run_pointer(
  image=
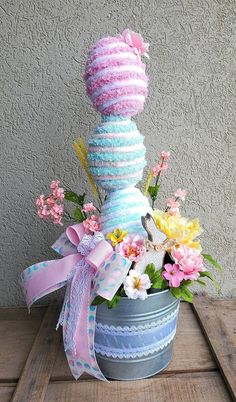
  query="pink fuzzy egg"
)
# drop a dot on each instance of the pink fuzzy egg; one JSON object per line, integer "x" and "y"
{"x": 115, "y": 77}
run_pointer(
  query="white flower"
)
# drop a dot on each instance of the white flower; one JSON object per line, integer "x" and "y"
{"x": 136, "y": 285}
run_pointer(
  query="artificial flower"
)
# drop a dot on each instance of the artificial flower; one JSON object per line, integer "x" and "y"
{"x": 173, "y": 206}
{"x": 181, "y": 194}
{"x": 136, "y": 285}
{"x": 54, "y": 184}
{"x": 189, "y": 260}
{"x": 92, "y": 225}
{"x": 43, "y": 212}
{"x": 132, "y": 247}
{"x": 158, "y": 168}
{"x": 181, "y": 229}
{"x": 136, "y": 41}
{"x": 52, "y": 206}
{"x": 173, "y": 275}
{"x": 165, "y": 155}
{"x": 117, "y": 236}
{"x": 40, "y": 202}
{"x": 89, "y": 207}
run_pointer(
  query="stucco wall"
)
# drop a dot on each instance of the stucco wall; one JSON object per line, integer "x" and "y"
{"x": 190, "y": 111}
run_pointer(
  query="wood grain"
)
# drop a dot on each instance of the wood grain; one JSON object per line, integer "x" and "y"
{"x": 196, "y": 387}
{"x": 35, "y": 376}
{"x": 18, "y": 330}
{"x": 219, "y": 336}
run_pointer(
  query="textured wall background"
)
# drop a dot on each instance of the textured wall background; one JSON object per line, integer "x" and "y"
{"x": 190, "y": 111}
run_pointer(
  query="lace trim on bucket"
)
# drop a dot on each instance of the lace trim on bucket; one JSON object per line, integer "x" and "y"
{"x": 110, "y": 329}
{"x": 132, "y": 354}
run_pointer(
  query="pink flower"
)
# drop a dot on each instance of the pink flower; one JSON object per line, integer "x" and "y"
{"x": 132, "y": 247}
{"x": 58, "y": 193}
{"x": 57, "y": 210}
{"x": 165, "y": 155}
{"x": 181, "y": 194}
{"x": 160, "y": 167}
{"x": 136, "y": 41}
{"x": 50, "y": 200}
{"x": 40, "y": 202}
{"x": 89, "y": 207}
{"x": 58, "y": 220}
{"x": 189, "y": 260}
{"x": 173, "y": 206}
{"x": 43, "y": 212}
{"x": 92, "y": 224}
{"x": 54, "y": 184}
{"x": 173, "y": 275}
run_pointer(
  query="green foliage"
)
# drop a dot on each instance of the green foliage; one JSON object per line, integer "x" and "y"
{"x": 155, "y": 277}
{"x": 113, "y": 302}
{"x": 182, "y": 292}
{"x": 212, "y": 261}
{"x": 78, "y": 215}
{"x": 207, "y": 274}
{"x": 73, "y": 197}
{"x": 153, "y": 191}
{"x": 98, "y": 300}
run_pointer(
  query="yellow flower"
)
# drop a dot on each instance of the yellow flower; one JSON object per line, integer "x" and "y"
{"x": 117, "y": 236}
{"x": 181, "y": 229}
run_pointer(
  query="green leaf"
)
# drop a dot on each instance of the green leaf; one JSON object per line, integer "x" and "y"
{"x": 150, "y": 271}
{"x": 113, "y": 302}
{"x": 211, "y": 277}
{"x": 201, "y": 282}
{"x": 186, "y": 294}
{"x": 98, "y": 300}
{"x": 153, "y": 191}
{"x": 73, "y": 197}
{"x": 176, "y": 292}
{"x": 212, "y": 261}
{"x": 78, "y": 215}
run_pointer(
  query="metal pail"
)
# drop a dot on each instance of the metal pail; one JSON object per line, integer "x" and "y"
{"x": 134, "y": 340}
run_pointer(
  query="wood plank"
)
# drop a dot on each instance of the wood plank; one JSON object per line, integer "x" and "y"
{"x": 196, "y": 387}
{"x": 35, "y": 376}
{"x": 6, "y": 392}
{"x": 16, "y": 340}
{"x": 189, "y": 338}
{"x": 221, "y": 341}
{"x": 22, "y": 313}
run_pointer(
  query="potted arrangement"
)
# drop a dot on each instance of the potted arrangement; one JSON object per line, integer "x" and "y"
{"x": 126, "y": 263}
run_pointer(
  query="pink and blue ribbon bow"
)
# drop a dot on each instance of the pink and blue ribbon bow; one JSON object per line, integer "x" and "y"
{"x": 89, "y": 267}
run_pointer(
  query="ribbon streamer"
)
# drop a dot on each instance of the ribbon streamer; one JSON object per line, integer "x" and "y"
{"x": 89, "y": 267}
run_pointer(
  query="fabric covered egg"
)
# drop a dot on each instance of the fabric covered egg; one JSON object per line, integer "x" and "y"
{"x": 115, "y": 76}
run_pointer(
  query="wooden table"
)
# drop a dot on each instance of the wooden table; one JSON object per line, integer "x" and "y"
{"x": 33, "y": 367}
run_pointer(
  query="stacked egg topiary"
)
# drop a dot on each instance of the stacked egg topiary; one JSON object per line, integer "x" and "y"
{"x": 117, "y": 85}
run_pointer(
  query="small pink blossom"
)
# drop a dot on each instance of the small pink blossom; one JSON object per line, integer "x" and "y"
{"x": 92, "y": 225}
{"x": 181, "y": 194}
{"x": 43, "y": 212}
{"x": 173, "y": 206}
{"x": 165, "y": 155}
{"x": 57, "y": 210}
{"x": 89, "y": 207}
{"x": 51, "y": 200}
{"x": 160, "y": 167}
{"x": 40, "y": 202}
{"x": 189, "y": 260}
{"x": 173, "y": 275}
{"x": 132, "y": 247}
{"x": 52, "y": 206}
{"x": 136, "y": 41}
{"x": 54, "y": 184}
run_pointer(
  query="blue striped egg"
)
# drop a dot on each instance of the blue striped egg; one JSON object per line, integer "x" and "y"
{"x": 123, "y": 209}
{"x": 116, "y": 153}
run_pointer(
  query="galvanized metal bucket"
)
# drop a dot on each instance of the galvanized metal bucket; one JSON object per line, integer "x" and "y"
{"x": 135, "y": 339}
